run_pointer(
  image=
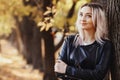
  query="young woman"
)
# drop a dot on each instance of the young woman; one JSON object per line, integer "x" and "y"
{"x": 86, "y": 55}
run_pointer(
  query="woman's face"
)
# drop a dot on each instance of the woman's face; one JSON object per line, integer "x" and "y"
{"x": 85, "y": 18}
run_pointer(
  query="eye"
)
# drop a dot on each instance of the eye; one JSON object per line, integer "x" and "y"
{"x": 81, "y": 14}
{"x": 88, "y": 16}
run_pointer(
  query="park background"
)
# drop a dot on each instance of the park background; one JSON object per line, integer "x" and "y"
{"x": 32, "y": 32}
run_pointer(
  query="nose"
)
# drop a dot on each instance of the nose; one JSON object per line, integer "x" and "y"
{"x": 83, "y": 18}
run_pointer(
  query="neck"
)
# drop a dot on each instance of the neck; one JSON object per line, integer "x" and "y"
{"x": 89, "y": 36}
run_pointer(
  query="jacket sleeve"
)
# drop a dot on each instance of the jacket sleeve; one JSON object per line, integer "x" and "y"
{"x": 100, "y": 70}
{"x": 63, "y": 56}
{"x": 63, "y": 51}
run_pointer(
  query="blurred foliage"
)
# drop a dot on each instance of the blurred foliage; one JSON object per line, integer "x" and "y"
{"x": 48, "y": 20}
{"x": 9, "y": 9}
{"x": 59, "y": 16}
{"x": 63, "y": 7}
{"x": 6, "y": 23}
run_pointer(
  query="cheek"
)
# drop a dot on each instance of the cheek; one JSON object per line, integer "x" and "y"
{"x": 90, "y": 22}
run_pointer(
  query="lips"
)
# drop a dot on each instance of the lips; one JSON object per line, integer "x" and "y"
{"x": 83, "y": 23}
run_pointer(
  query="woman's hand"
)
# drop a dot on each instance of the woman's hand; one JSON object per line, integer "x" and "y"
{"x": 60, "y": 66}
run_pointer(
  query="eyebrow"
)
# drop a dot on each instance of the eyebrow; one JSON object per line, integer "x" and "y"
{"x": 87, "y": 13}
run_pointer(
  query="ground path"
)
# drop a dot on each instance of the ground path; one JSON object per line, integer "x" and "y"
{"x": 13, "y": 66}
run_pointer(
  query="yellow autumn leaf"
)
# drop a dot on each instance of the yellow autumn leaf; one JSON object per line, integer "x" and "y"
{"x": 46, "y": 19}
{"x": 41, "y": 24}
{"x": 54, "y": 9}
{"x": 48, "y": 26}
{"x": 52, "y": 20}
{"x": 48, "y": 8}
{"x": 47, "y": 12}
{"x": 42, "y": 28}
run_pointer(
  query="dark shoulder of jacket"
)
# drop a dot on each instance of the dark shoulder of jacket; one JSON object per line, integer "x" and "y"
{"x": 108, "y": 43}
{"x": 70, "y": 38}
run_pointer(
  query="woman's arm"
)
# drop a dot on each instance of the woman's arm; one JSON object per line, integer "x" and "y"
{"x": 62, "y": 59}
{"x": 101, "y": 68}
{"x": 63, "y": 51}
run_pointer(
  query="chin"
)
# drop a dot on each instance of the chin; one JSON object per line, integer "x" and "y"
{"x": 84, "y": 28}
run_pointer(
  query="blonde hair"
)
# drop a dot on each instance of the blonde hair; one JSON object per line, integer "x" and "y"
{"x": 99, "y": 22}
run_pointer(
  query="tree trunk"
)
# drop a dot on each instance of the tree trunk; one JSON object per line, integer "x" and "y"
{"x": 32, "y": 38}
{"x": 49, "y": 48}
{"x": 113, "y": 14}
{"x": 37, "y": 56}
{"x": 49, "y": 56}
{"x": 17, "y": 35}
{"x": 27, "y": 36}
{"x": 103, "y": 2}
{"x": 32, "y": 42}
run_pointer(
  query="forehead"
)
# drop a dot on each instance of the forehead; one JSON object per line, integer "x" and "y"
{"x": 86, "y": 9}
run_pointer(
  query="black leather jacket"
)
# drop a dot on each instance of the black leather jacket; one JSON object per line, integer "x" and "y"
{"x": 90, "y": 62}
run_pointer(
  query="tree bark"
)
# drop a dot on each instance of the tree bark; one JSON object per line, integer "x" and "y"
{"x": 49, "y": 56}
{"x": 27, "y": 37}
{"x": 113, "y": 15}
{"x": 49, "y": 48}
{"x": 31, "y": 38}
{"x": 103, "y": 2}
{"x": 37, "y": 51}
